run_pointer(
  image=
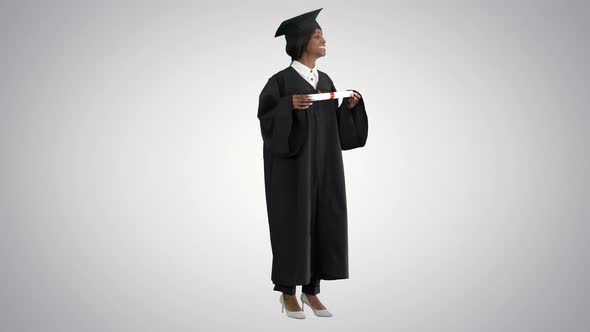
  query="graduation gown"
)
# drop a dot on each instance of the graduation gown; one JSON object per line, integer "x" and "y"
{"x": 304, "y": 177}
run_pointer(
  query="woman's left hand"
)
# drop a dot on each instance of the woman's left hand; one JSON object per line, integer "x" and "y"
{"x": 353, "y": 101}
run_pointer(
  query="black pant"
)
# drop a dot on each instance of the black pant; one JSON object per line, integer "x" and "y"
{"x": 312, "y": 288}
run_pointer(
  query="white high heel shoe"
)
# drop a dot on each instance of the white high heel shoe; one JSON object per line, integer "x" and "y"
{"x": 317, "y": 312}
{"x": 293, "y": 314}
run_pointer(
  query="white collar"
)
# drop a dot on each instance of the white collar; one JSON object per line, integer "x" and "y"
{"x": 303, "y": 69}
{"x": 309, "y": 74}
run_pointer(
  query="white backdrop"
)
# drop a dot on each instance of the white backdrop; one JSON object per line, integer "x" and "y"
{"x": 131, "y": 174}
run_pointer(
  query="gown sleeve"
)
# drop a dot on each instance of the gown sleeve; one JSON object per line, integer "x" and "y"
{"x": 353, "y": 124}
{"x": 284, "y": 128}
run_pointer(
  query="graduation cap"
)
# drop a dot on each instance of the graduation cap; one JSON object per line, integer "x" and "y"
{"x": 298, "y": 24}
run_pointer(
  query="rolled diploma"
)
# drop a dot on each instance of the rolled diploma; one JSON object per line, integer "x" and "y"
{"x": 331, "y": 95}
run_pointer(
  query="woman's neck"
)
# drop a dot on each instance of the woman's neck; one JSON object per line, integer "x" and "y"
{"x": 307, "y": 60}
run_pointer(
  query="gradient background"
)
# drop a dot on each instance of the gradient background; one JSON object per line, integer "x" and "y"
{"x": 132, "y": 188}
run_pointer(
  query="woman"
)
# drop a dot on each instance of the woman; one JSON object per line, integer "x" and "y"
{"x": 303, "y": 171}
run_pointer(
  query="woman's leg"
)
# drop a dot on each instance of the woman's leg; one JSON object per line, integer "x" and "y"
{"x": 312, "y": 288}
{"x": 285, "y": 289}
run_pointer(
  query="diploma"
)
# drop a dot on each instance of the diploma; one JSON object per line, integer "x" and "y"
{"x": 331, "y": 95}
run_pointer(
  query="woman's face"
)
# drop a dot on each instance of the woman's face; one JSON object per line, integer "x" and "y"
{"x": 317, "y": 44}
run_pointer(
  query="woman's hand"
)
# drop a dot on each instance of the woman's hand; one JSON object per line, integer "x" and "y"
{"x": 301, "y": 102}
{"x": 353, "y": 101}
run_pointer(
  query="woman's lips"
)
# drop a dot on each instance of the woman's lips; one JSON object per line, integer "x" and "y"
{"x": 324, "y": 47}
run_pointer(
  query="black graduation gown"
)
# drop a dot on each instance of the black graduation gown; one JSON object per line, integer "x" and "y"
{"x": 304, "y": 177}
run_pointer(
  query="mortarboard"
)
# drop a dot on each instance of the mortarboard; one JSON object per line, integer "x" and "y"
{"x": 298, "y": 24}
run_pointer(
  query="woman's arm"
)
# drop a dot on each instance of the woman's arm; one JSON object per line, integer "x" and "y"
{"x": 353, "y": 124}
{"x": 283, "y": 128}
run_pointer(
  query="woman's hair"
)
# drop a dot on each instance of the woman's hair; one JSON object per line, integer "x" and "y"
{"x": 296, "y": 44}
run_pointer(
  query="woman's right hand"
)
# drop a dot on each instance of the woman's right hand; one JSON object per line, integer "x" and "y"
{"x": 301, "y": 102}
